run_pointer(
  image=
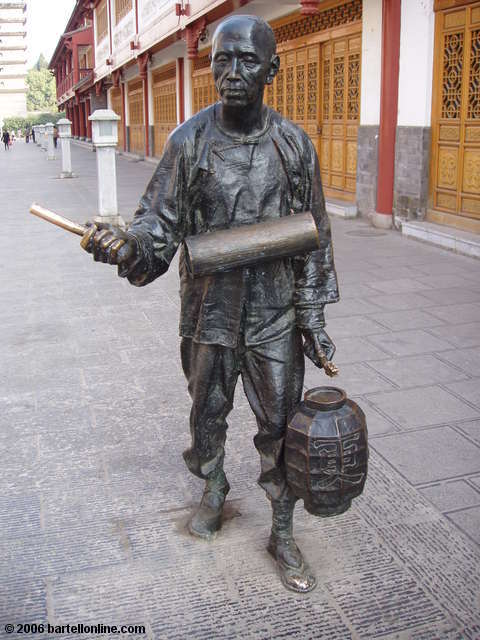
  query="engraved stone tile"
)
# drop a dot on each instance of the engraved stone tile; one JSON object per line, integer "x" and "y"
{"x": 405, "y": 343}
{"x": 468, "y": 389}
{"x": 351, "y": 350}
{"x": 400, "y": 301}
{"x": 468, "y": 312}
{"x": 407, "y": 452}
{"x": 468, "y": 520}
{"x": 357, "y": 378}
{"x": 421, "y": 407}
{"x": 460, "y": 335}
{"x": 22, "y": 600}
{"x": 407, "y": 319}
{"x": 19, "y": 514}
{"x": 345, "y": 327}
{"x": 399, "y": 285}
{"x": 457, "y": 295}
{"x": 384, "y": 604}
{"x": 471, "y": 429}
{"x": 449, "y": 496}
{"x": 417, "y": 370}
{"x": 467, "y": 360}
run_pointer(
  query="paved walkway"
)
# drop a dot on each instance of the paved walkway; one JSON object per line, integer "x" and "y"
{"x": 94, "y": 415}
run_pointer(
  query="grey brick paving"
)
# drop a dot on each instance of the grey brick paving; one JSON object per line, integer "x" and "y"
{"x": 94, "y": 418}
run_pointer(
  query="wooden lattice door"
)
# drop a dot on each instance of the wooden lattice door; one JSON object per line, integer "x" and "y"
{"x": 340, "y": 116}
{"x": 455, "y": 171}
{"x": 136, "y": 117}
{"x": 116, "y": 102}
{"x": 164, "y": 106}
{"x": 203, "y": 87}
{"x": 295, "y": 91}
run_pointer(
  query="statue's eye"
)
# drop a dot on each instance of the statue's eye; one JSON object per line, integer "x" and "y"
{"x": 221, "y": 60}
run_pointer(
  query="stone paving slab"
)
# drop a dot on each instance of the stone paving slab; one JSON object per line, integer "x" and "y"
{"x": 94, "y": 419}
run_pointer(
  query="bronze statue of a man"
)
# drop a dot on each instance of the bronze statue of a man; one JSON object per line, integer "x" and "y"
{"x": 235, "y": 163}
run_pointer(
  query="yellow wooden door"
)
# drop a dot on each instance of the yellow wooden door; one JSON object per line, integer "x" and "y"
{"x": 455, "y": 168}
{"x": 203, "y": 87}
{"x": 164, "y": 106}
{"x": 340, "y": 116}
{"x": 117, "y": 107}
{"x": 136, "y": 117}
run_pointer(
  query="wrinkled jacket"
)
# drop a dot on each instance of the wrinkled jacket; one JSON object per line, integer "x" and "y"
{"x": 207, "y": 180}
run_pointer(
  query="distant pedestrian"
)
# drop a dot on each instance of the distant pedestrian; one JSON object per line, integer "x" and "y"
{"x": 55, "y": 136}
{"x": 6, "y": 140}
{"x": 27, "y": 136}
{"x": 33, "y": 134}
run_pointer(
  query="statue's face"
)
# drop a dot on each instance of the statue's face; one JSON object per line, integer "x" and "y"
{"x": 241, "y": 66}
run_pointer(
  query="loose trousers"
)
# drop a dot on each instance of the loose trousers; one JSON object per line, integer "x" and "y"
{"x": 272, "y": 375}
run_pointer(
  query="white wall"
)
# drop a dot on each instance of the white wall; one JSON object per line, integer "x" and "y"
{"x": 416, "y": 63}
{"x": 372, "y": 61}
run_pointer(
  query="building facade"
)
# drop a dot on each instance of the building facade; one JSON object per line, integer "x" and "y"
{"x": 13, "y": 59}
{"x": 388, "y": 90}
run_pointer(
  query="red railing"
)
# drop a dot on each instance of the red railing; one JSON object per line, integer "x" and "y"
{"x": 65, "y": 84}
{"x": 69, "y": 81}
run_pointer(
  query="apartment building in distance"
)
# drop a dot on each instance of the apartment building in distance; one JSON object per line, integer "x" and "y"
{"x": 13, "y": 59}
{"x": 388, "y": 90}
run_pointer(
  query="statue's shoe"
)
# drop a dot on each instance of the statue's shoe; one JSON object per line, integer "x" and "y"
{"x": 207, "y": 519}
{"x": 295, "y": 573}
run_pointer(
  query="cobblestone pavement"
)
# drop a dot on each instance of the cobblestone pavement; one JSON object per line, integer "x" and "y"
{"x": 94, "y": 413}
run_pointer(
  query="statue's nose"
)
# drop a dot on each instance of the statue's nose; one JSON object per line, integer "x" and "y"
{"x": 233, "y": 71}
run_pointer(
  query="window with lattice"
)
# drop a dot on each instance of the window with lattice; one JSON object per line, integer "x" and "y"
{"x": 122, "y": 7}
{"x": 101, "y": 20}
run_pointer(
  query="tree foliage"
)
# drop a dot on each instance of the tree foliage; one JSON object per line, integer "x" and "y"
{"x": 41, "y": 92}
{"x": 18, "y": 122}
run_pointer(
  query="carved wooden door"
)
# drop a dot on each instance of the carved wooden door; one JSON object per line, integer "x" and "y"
{"x": 203, "y": 87}
{"x": 164, "y": 106}
{"x": 136, "y": 117}
{"x": 340, "y": 116}
{"x": 295, "y": 91}
{"x": 116, "y": 102}
{"x": 455, "y": 170}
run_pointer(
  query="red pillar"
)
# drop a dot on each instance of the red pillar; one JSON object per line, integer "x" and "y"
{"x": 89, "y": 124}
{"x": 76, "y": 119}
{"x": 124, "y": 116}
{"x": 83, "y": 131}
{"x": 181, "y": 89}
{"x": 391, "y": 12}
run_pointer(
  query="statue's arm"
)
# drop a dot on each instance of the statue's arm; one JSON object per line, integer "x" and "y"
{"x": 316, "y": 279}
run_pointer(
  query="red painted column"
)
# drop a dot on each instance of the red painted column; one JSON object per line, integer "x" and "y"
{"x": 391, "y": 12}
{"x": 124, "y": 116}
{"x": 89, "y": 124}
{"x": 83, "y": 131}
{"x": 181, "y": 89}
{"x": 76, "y": 119}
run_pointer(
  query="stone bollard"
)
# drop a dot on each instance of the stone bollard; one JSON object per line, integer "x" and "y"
{"x": 50, "y": 143}
{"x": 37, "y": 134}
{"x": 105, "y": 138}
{"x": 42, "y": 136}
{"x": 65, "y": 133}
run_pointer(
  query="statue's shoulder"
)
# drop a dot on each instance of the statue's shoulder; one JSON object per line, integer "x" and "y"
{"x": 193, "y": 128}
{"x": 291, "y": 133}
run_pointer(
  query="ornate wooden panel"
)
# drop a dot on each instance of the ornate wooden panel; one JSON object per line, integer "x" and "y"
{"x": 136, "y": 117}
{"x": 116, "y": 102}
{"x": 203, "y": 87}
{"x": 164, "y": 105}
{"x": 455, "y": 173}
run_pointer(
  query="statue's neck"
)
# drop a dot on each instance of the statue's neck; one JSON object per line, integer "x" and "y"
{"x": 243, "y": 121}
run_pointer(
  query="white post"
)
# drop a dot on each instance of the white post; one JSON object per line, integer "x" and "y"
{"x": 105, "y": 138}
{"x": 65, "y": 133}
{"x": 38, "y": 142}
{"x": 42, "y": 137}
{"x": 50, "y": 143}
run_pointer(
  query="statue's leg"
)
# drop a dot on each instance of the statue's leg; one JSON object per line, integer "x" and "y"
{"x": 211, "y": 373}
{"x": 273, "y": 380}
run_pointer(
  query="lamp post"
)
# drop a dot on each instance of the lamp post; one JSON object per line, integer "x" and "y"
{"x": 105, "y": 138}
{"x": 65, "y": 133}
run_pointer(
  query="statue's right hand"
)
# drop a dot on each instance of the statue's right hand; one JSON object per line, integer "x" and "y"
{"x": 108, "y": 243}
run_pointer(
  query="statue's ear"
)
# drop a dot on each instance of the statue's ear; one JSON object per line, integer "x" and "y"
{"x": 273, "y": 70}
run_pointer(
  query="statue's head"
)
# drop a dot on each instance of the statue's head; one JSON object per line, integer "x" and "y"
{"x": 243, "y": 59}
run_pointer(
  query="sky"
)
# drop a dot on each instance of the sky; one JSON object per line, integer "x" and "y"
{"x": 46, "y": 21}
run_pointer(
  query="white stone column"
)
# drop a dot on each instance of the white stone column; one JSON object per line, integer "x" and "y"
{"x": 65, "y": 133}
{"x": 50, "y": 143}
{"x": 105, "y": 138}
{"x": 42, "y": 137}
{"x": 187, "y": 87}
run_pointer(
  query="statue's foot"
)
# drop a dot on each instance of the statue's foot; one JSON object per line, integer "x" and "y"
{"x": 295, "y": 573}
{"x": 207, "y": 519}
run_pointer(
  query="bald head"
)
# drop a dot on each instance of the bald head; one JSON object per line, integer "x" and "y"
{"x": 261, "y": 32}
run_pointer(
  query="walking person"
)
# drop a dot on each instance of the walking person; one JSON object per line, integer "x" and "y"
{"x": 6, "y": 140}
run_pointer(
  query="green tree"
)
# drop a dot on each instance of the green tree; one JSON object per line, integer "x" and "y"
{"x": 41, "y": 87}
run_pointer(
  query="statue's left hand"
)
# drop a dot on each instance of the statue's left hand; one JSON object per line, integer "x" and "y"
{"x": 317, "y": 346}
